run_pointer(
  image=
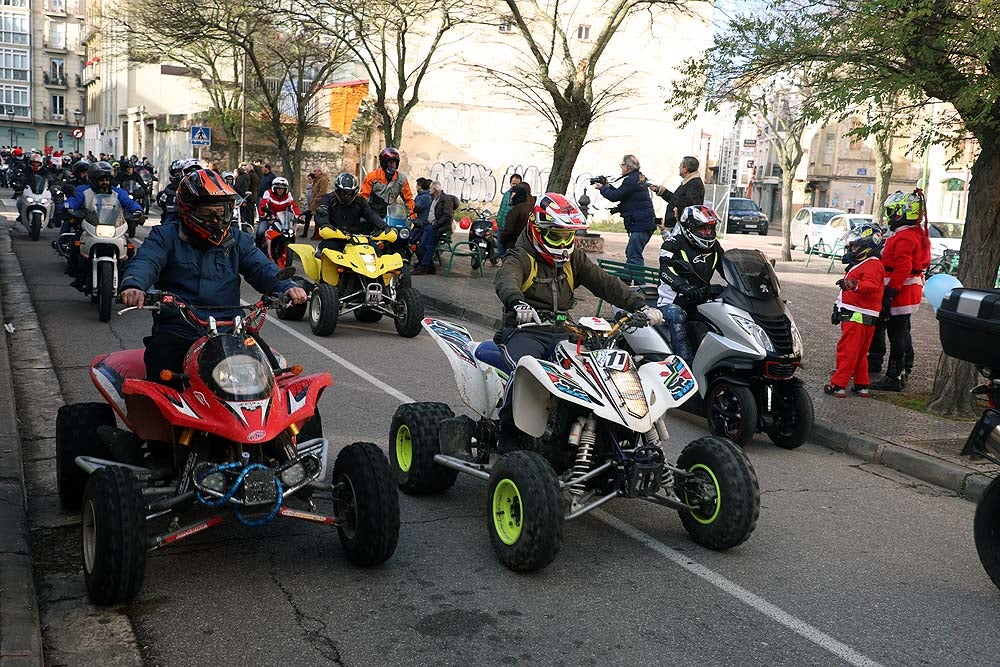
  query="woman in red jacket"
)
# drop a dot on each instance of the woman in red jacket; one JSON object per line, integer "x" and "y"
{"x": 857, "y": 309}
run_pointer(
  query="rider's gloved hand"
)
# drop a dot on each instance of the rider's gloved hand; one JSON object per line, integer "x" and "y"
{"x": 133, "y": 297}
{"x": 525, "y": 313}
{"x": 654, "y": 315}
{"x": 296, "y": 295}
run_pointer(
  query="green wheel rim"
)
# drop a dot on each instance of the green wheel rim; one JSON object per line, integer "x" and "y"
{"x": 507, "y": 512}
{"x": 718, "y": 495}
{"x": 404, "y": 448}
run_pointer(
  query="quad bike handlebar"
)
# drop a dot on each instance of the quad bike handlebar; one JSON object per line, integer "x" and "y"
{"x": 157, "y": 300}
{"x": 587, "y": 335}
{"x": 389, "y": 235}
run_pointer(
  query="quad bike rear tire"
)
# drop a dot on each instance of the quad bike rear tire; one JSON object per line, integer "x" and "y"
{"x": 793, "y": 416}
{"x": 113, "y": 538}
{"x": 367, "y": 504}
{"x": 105, "y": 289}
{"x": 76, "y": 435}
{"x": 324, "y": 309}
{"x": 731, "y": 411}
{"x": 413, "y": 443}
{"x": 986, "y": 530}
{"x": 724, "y": 478}
{"x": 409, "y": 313}
{"x": 367, "y": 315}
{"x": 524, "y": 511}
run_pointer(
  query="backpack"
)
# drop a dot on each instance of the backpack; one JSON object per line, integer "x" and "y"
{"x": 456, "y": 203}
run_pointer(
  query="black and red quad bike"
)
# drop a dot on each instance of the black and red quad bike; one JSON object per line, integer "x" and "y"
{"x": 240, "y": 435}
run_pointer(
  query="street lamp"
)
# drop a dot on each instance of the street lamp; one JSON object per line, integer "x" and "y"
{"x": 76, "y": 117}
{"x": 10, "y": 115}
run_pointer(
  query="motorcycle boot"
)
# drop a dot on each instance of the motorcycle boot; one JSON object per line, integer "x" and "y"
{"x": 891, "y": 380}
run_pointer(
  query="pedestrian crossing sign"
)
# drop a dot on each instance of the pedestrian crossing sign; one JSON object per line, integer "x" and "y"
{"x": 201, "y": 136}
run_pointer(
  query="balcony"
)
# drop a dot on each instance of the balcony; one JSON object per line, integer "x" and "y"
{"x": 58, "y": 81}
{"x": 53, "y": 45}
{"x": 53, "y": 117}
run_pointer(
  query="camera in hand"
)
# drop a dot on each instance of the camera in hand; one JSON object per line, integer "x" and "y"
{"x": 599, "y": 180}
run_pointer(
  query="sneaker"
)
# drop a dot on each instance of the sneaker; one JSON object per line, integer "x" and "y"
{"x": 835, "y": 391}
{"x": 861, "y": 391}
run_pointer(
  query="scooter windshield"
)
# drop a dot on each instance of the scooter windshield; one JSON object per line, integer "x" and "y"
{"x": 750, "y": 273}
{"x": 108, "y": 210}
{"x": 37, "y": 184}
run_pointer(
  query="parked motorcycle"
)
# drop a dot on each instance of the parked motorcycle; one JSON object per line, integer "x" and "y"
{"x": 104, "y": 249}
{"x": 482, "y": 232}
{"x": 747, "y": 349}
{"x": 239, "y": 431}
{"x": 969, "y": 320}
{"x": 35, "y": 205}
{"x": 279, "y": 234}
{"x": 594, "y": 429}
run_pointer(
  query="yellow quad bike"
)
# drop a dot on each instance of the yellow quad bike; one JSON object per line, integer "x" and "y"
{"x": 357, "y": 280}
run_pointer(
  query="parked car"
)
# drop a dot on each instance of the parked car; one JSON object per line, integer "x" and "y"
{"x": 945, "y": 236}
{"x": 808, "y": 223}
{"x": 745, "y": 217}
{"x": 830, "y": 237}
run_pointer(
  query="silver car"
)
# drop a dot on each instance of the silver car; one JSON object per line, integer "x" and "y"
{"x": 808, "y": 224}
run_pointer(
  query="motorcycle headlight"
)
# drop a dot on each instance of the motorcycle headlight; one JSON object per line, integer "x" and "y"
{"x": 242, "y": 375}
{"x": 755, "y": 331}
{"x": 796, "y": 340}
{"x": 31, "y": 200}
{"x": 479, "y": 232}
{"x": 403, "y": 233}
{"x": 106, "y": 231}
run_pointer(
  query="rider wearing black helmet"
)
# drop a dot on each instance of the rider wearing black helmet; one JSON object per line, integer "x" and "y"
{"x": 166, "y": 199}
{"x": 200, "y": 260}
{"x": 343, "y": 209}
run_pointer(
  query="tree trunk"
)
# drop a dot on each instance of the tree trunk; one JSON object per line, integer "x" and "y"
{"x": 977, "y": 268}
{"x": 566, "y": 149}
{"x": 787, "y": 181}
{"x": 883, "y": 173}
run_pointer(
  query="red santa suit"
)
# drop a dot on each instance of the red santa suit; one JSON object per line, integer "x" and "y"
{"x": 906, "y": 256}
{"x": 277, "y": 205}
{"x": 859, "y": 308}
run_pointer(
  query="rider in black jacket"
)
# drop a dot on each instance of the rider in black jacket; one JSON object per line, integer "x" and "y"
{"x": 344, "y": 210}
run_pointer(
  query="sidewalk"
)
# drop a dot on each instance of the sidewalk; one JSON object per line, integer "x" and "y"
{"x": 20, "y": 632}
{"x": 908, "y": 441}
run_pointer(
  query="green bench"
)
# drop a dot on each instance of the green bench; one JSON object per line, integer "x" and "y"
{"x": 646, "y": 275}
{"x": 457, "y": 249}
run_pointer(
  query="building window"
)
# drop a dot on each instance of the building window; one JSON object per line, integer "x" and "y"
{"x": 57, "y": 69}
{"x": 56, "y": 5}
{"x": 58, "y": 106}
{"x": 507, "y": 26}
{"x": 13, "y": 3}
{"x": 16, "y": 97}
{"x": 13, "y": 28}
{"x": 57, "y": 35}
{"x": 14, "y": 64}
{"x": 583, "y": 32}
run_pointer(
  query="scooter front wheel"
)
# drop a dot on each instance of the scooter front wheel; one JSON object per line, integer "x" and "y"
{"x": 986, "y": 529}
{"x": 793, "y": 416}
{"x": 732, "y": 412}
{"x": 35, "y": 230}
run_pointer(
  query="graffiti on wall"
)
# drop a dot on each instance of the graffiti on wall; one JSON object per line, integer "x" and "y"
{"x": 466, "y": 180}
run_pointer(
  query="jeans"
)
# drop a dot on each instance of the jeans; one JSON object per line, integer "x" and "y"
{"x": 306, "y": 217}
{"x": 428, "y": 242}
{"x": 633, "y": 252}
{"x": 675, "y": 320}
{"x": 539, "y": 343}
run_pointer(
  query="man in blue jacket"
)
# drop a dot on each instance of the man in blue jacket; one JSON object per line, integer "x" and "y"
{"x": 636, "y": 208}
{"x": 200, "y": 259}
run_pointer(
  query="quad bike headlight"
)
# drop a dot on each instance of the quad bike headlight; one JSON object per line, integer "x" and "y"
{"x": 215, "y": 482}
{"x": 293, "y": 475}
{"x": 106, "y": 231}
{"x": 241, "y": 375}
{"x": 755, "y": 331}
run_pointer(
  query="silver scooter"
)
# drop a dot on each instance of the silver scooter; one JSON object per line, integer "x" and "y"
{"x": 747, "y": 349}
{"x": 104, "y": 248}
{"x": 35, "y": 206}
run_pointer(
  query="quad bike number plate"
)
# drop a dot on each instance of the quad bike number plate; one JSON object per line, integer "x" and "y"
{"x": 259, "y": 487}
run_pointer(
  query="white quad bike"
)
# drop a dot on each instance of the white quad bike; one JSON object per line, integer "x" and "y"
{"x": 747, "y": 350}
{"x": 593, "y": 429}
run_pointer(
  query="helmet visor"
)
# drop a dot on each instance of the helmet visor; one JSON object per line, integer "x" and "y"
{"x": 558, "y": 238}
{"x": 704, "y": 231}
{"x": 215, "y": 217}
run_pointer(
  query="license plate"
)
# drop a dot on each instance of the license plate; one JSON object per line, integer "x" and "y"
{"x": 482, "y": 244}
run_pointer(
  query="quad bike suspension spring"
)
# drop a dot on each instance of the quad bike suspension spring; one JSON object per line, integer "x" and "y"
{"x": 584, "y": 452}
{"x": 652, "y": 439}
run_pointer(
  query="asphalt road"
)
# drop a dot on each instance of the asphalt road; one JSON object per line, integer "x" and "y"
{"x": 850, "y": 564}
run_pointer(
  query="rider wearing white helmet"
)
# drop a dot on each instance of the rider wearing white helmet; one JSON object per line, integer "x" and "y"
{"x": 276, "y": 199}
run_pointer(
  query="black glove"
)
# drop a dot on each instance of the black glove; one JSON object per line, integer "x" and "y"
{"x": 715, "y": 291}
{"x": 696, "y": 293}
{"x": 138, "y": 216}
{"x": 835, "y": 318}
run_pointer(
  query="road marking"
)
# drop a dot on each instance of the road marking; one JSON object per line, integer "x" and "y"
{"x": 775, "y": 613}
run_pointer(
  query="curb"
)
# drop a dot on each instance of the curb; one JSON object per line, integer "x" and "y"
{"x": 870, "y": 449}
{"x": 20, "y": 628}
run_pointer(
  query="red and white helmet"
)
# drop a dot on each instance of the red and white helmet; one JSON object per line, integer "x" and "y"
{"x": 553, "y": 226}
{"x": 698, "y": 225}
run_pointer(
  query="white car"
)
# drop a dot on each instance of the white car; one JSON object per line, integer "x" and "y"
{"x": 945, "y": 236}
{"x": 808, "y": 223}
{"x": 832, "y": 234}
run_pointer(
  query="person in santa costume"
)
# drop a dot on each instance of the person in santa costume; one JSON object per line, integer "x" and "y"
{"x": 857, "y": 309}
{"x": 906, "y": 256}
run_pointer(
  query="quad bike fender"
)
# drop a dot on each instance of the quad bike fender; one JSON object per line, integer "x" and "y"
{"x": 302, "y": 394}
{"x": 536, "y": 383}
{"x": 307, "y": 255}
{"x": 672, "y": 382}
{"x": 478, "y": 384}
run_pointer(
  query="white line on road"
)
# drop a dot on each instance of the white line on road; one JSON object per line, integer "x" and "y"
{"x": 775, "y": 613}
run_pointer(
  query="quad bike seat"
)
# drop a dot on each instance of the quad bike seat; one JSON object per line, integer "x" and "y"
{"x": 488, "y": 353}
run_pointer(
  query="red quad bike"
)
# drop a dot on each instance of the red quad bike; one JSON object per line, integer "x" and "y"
{"x": 241, "y": 436}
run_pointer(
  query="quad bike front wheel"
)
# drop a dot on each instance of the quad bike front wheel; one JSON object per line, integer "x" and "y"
{"x": 413, "y": 443}
{"x": 986, "y": 530}
{"x": 731, "y": 410}
{"x": 113, "y": 536}
{"x": 793, "y": 416}
{"x": 324, "y": 309}
{"x": 409, "y": 312}
{"x": 76, "y": 435}
{"x": 723, "y": 488}
{"x": 367, "y": 504}
{"x": 524, "y": 511}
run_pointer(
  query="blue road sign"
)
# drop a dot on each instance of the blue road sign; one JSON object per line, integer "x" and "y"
{"x": 201, "y": 136}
